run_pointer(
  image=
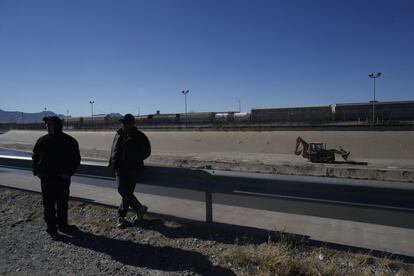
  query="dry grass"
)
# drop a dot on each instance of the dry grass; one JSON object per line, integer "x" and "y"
{"x": 265, "y": 259}
{"x": 284, "y": 258}
{"x": 312, "y": 265}
{"x": 275, "y": 258}
{"x": 364, "y": 259}
{"x": 101, "y": 227}
{"x": 240, "y": 256}
{"x": 76, "y": 204}
{"x": 394, "y": 267}
{"x": 35, "y": 214}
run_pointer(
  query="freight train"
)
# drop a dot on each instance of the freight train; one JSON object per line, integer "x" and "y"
{"x": 351, "y": 112}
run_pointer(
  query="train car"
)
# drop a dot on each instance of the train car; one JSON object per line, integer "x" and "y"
{"x": 198, "y": 117}
{"x": 142, "y": 120}
{"x": 159, "y": 118}
{"x": 224, "y": 117}
{"x": 384, "y": 111}
{"x": 231, "y": 117}
{"x": 242, "y": 117}
{"x": 292, "y": 114}
{"x": 97, "y": 121}
{"x": 353, "y": 112}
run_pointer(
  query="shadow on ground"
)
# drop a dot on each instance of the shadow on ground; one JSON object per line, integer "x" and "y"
{"x": 145, "y": 255}
{"x": 218, "y": 232}
{"x": 242, "y": 235}
{"x": 350, "y": 162}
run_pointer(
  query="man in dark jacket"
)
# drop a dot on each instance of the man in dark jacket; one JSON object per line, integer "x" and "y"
{"x": 129, "y": 149}
{"x": 55, "y": 159}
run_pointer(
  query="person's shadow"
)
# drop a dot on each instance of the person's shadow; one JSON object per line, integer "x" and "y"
{"x": 144, "y": 255}
{"x": 198, "y": 231}
{"x": 234, "y": 235}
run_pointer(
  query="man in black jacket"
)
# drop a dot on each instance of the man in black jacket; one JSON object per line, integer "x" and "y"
{"x": 55, "y": 159}
{"x": 129, "y": 149}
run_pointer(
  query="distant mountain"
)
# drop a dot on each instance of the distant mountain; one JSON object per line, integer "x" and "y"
{"x": 22, "y": 117}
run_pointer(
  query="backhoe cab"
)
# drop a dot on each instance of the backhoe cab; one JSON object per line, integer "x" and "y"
{"x": 318, "y": 153}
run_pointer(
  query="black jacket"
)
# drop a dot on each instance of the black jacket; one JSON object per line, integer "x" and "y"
{"x": 129, "y": 150}
{"x": 55, "y": 154}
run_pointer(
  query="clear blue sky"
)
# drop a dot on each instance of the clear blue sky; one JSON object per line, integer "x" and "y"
{"x": 129, "y": 54}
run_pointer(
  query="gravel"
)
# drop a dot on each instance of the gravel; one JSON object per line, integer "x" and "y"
{"x": 158, "y": 246}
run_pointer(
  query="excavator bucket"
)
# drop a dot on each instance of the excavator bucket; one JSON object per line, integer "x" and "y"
{"x": 345, "y": 156}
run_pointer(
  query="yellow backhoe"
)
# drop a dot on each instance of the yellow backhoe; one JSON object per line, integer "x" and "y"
{"x": 317, "y": 152}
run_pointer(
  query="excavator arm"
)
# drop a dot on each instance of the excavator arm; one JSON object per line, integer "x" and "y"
{"x": 305, "y": 147}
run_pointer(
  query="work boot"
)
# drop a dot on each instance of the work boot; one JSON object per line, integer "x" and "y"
{"x": 139, "y": 215}
{"x": 67, "y": 229}
{"x": 53, "y": 233}
{"x": 120, "y": 222}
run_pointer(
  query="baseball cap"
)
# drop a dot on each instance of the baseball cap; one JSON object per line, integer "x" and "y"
{"x": 128, "y": 119}
{"x": 55, "y": 120}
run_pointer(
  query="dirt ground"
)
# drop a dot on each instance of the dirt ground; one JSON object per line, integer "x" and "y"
{"x": 381, "y": 155}
{"x": 159, "y": 246}
{"x": 380, "y": 145}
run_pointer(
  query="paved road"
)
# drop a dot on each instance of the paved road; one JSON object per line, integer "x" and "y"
{"x": 4, "y": 151}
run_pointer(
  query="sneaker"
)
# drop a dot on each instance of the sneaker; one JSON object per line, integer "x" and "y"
{"x": 140, "y": 214}
{"x": 120, "y": 222}
{"x": 67, "y": 229}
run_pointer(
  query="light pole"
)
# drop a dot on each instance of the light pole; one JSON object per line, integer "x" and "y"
{"x": 185, "y": 92}
{"x": 139, "y": 111}
{"x": 374, "y": 75}
{"x": 44, "y": 111}
{"x": 239, "y": 105}
{"x": 92, "y": 102}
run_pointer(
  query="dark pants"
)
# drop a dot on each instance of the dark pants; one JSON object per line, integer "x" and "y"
{"x": 126, "y": 185}
{"x": 55, "y": 193}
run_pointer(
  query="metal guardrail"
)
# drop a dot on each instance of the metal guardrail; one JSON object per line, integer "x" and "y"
{"x": 379, "y": 202}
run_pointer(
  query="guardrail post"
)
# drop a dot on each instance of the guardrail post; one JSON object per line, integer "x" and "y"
{"x": 209, "y": 206}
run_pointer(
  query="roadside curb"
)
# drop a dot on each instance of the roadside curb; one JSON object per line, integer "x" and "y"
{"x": 311, "y": 169}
